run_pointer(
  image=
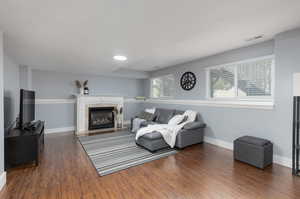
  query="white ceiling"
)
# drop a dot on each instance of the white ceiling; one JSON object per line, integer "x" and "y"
{"x": 82, "y": 36}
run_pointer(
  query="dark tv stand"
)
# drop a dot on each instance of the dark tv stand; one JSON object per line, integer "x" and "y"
{"x": 23, "y": 146}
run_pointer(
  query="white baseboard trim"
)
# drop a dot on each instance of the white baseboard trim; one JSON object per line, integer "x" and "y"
{"x": 284, "y": 161}
{"x": 217, "y": 142}
{"x": 71, "y": 128}
{"x": 2, "y": 180}
{"x": 59, "y": 130}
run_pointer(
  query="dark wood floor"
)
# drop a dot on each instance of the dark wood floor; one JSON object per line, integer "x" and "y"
{"x": 200, "y": 171}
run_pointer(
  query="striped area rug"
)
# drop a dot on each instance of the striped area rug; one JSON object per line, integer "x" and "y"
{"x": 112, "y": 152}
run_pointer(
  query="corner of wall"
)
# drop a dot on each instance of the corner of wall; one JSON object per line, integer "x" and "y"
{"x": 2, "y": 173}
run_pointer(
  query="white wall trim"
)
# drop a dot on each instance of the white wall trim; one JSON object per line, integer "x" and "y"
{"x": 60, "y": 130}
{"x": 266, "y": 105}
{"x": 2, "y": 180}
{"x": 281, "y": 160}
{"x": 210, "y": 103}
{"x": 73, "y": 101}
{"x": 217, "y": 142}
{"x": 133, "y": 100}
{"x": 284, "y": 161}
{"x": 55, "y": 101}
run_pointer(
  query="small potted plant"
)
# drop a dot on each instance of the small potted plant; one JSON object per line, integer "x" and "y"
{"x": 83, "y": 89}
{"x": 79, "y": 86}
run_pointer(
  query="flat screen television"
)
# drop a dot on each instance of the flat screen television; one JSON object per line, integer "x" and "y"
{"x": 27, "y": 107}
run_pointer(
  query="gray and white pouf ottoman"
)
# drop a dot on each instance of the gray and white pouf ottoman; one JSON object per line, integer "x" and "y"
{"x": 253, "y": 150}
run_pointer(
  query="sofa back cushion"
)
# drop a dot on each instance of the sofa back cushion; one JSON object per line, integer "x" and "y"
{"x": 164, "y": 115}
{"x": 179, "y": 112}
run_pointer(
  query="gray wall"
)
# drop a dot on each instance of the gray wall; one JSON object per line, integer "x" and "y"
{"x": 61, "y": 85}
{"x": 53, "y": 85}
{"x": 198, "y": 67}
{"x": 56, "y": 115}
{"x": 11, "y": 91}
{"x": 229, "y": 123}
{"x": 25, "y": 79}
{"x": 1, "y": 107}
{"x": 64, "y": 115}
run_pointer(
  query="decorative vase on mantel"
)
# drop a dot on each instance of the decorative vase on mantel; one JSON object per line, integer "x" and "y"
{"x": 119, "y": 123}
{"x": 86, "y": 91}
{"x": 81, "y": 91}
{"x": 118, "y": 112}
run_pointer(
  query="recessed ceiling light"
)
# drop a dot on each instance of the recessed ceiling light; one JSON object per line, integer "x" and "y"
{"x": 255, "y": 38}
{"x": 120, "y": 58}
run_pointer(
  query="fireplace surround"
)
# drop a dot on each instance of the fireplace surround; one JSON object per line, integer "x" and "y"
{"x": 87, "y": 103}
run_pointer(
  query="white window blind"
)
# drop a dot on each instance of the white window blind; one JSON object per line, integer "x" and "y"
{"x": 222, "y": 82}
{"x": 162, "y": 87}
{"x": 242, "y": 80}
{"x": 254, "y": 78}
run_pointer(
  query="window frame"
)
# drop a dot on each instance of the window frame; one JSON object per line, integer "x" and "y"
{"x": 236, "y": 97}
{"x": 151, "y": 87}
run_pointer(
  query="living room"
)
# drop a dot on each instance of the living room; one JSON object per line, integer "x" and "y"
{"x": 159, "y": 100}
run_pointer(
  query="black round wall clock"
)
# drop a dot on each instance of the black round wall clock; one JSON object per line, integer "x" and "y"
{"x": 188, "y": 81}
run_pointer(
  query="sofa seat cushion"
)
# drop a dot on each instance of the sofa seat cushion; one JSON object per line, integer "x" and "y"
{"x": 194, "y": 125}
{"x": 152, "y": 136}
{"x": 253, "y": 140}
{"x": 164, "y": 115}
{"x": 146, "y": 123}
{"x": 179, "y": 112}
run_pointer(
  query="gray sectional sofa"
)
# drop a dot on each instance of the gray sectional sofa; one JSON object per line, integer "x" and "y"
{"x": 191, "y": 133}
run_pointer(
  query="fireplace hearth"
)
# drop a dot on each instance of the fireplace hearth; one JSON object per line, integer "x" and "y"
{"x": 101, "y": 118}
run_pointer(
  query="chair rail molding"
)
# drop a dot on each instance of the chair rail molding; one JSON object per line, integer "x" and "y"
{"x": 265, "y": 105}
{"x": 73, "y": 101}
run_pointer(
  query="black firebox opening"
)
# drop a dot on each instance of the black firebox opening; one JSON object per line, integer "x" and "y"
{"x": 101, "y": 117}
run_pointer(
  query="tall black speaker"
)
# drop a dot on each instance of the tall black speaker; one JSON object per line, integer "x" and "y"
{"x": 296, "y": 123}
{"x": 296, "y": 146}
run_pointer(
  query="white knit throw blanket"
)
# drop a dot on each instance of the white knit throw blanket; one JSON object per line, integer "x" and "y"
{"x": 169, "y": 132}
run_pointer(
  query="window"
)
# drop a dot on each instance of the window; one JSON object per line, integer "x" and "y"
{"x": 250, "y": 79}
{"x": 162, "y": 87}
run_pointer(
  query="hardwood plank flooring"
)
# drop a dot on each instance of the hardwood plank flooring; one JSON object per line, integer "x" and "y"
{"x": 201, "y": 171}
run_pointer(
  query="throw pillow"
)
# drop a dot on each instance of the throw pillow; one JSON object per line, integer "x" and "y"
{"x": 150, "y": 110}
{"x": 146, "y": 116}
{"x": 176, "y": 120}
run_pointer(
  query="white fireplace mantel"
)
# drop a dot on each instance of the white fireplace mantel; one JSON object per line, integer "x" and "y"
{"x": 84, "y": 102}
